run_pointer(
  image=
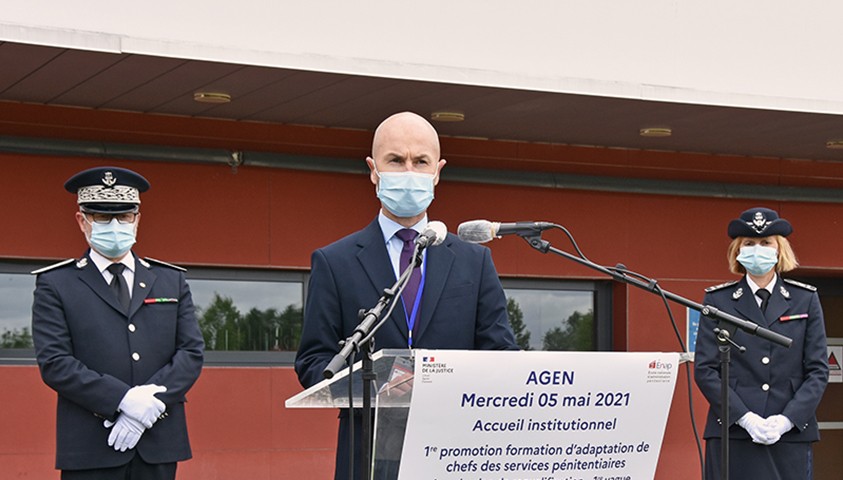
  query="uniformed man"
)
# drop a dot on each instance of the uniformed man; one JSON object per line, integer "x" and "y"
{"x": 117, "y": 339}
{"x": 773, "y": 390}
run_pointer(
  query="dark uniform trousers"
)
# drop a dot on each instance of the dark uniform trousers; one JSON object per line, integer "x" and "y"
{"x": 136, "y": 469}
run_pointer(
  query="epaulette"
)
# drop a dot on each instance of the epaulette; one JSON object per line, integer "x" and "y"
{"x": 714, "y": 288}
{"x": 53, "y": 266}
{"x": 163, "y": 264}
{"x": 800, "y": 284}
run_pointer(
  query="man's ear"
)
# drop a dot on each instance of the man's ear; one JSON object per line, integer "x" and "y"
{"x": 439, "y": 168}
{"x": 80, "y": 220}
{"x": 373, "y": 175}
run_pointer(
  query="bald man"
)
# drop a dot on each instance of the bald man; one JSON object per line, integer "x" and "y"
{"x": 458, "y": 303}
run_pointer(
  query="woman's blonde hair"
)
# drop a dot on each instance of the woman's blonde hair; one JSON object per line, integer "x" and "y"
{"x": 787, "y": 259}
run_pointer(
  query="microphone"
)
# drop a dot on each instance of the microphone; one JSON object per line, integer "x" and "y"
{"x": 433, "y": 235}
{"x": 482, "y": 231}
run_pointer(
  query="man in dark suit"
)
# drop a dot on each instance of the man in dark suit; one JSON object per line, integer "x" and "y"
{"x": 456, "y": 301}
{"x": 117, "y": 339}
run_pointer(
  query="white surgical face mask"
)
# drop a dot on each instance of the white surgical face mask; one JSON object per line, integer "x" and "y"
{"x": 112, "y": 239}
{"x": 757, "y": 259}
{"x": 405, "y": 194}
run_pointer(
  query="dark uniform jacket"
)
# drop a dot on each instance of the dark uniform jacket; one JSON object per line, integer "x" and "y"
{"x": 767, "y": 379}
{"x": 463, "y": 305}
{"x": 91, "y": 354}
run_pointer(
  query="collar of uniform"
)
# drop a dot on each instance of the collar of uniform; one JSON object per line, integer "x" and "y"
{"x": 102, "y": 263}
{"x": 754, "y": 286}
{"x": 389, "y": 226}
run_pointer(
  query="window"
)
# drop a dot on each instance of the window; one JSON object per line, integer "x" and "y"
{"x": 247, "y": 317}
{"x": 16, "y": 287}
{"x": 248, "y": 310}
{"x": 254, "y": 317}
{"x": 560, "y": 315}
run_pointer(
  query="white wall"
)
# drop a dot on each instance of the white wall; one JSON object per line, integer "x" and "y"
{"x": 767, "y": 54}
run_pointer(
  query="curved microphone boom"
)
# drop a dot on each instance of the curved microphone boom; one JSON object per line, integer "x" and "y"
{"x": 482, "y": 231}
{"x": 434, "y": 234}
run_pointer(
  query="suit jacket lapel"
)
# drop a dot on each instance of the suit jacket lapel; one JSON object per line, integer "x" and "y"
{"x": 374, "y": 259}
{"x": 777, "y": 304}
{"x": 747, "y": 305}
{"x": 91, "y": 276}
{"x": 439, "y": 262}
{"x": 144, "y": 279}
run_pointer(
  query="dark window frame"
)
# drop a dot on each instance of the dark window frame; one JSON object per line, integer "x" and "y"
{"x": 601, "y": 289}
{"x": 26, "y": 356}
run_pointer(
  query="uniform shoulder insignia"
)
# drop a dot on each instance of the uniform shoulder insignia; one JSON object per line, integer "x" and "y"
{"x": 53, "y": 266}
{"x": 164, "y": 264}
{"x": 714, "y": 288}
{"x": 800, "y": 284}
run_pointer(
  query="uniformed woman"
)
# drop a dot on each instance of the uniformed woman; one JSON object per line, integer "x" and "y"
{"x": 773, "y": 390}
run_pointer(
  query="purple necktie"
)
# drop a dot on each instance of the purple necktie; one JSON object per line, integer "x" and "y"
{"x": 408, "y": 236}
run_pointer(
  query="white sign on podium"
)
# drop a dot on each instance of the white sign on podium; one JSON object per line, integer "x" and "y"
{"x": 491, "y": 415}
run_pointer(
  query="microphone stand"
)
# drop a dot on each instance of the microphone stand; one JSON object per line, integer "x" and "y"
{"x": 363, "y": 335}
{"x": 535, "y": 241}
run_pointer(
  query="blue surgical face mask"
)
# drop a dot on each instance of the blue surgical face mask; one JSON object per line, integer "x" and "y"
{"x": 405, "y": 194}
{"x": 757, "y": 259}
{"x": 113, "y": 239}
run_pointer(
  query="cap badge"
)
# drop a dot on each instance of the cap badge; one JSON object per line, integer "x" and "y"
{"x": 784, "y": 292}
{"x": 108, "y": 179}
{"x": 738, "y": 293}
{"x": 759, "y": 222}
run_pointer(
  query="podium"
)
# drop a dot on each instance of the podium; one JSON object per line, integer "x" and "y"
{"x": 511, "y": 414}
{"x": 391, "y": 396}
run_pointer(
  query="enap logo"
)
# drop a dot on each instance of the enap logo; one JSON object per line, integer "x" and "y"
{"x": 659, "y": 371}
{"x": 659, "y": 365}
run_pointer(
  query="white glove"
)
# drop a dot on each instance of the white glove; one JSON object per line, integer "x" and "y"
{"x": 125, "y": 433}
{"x": 140, "y": 403}
{"x": 776, "y": 426}
{"x": 754, "y": 424}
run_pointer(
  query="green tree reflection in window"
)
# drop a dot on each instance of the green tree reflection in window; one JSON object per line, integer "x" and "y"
{"x": 225, "y": 328}
{"x": 576, "y": 335}
{"x": 555, "y": 320}
{"x": 16, "y": 308}
{"x": 16, "y": 338}
{"x": 516, "y": 320}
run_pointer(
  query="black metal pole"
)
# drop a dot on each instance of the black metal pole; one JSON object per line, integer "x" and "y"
{"x": 367, "y": 373}
{"x": 725, "y": 423}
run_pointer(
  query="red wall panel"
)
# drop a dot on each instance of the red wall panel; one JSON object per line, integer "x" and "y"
{"x": 239, "y": 427}
{"x": 274, "y": 218}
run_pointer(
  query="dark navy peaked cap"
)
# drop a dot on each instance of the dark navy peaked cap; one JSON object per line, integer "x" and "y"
{"x": 107, "y": 189}
{"x": 759, "y": 222}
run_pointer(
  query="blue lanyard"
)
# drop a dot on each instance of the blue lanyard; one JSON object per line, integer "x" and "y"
{"x": 411, "y": 319}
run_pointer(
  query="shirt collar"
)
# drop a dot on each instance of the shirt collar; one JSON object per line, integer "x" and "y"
{"x": 754, "y": 286}
{"x": 102, "y": 263}
{"x": 389, "y": 226}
